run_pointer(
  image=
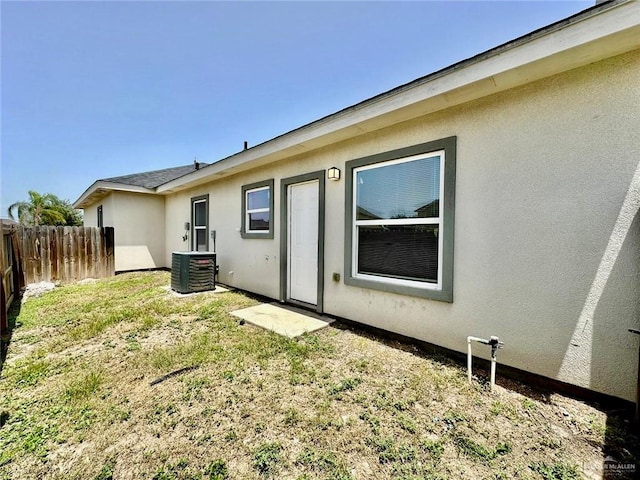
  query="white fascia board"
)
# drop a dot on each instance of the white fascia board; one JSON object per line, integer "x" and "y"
{"x": 612, "y": 30}
{"x": 101, "y": 188}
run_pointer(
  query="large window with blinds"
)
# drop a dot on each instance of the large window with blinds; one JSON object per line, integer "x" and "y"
{"x": 401, "y": 220}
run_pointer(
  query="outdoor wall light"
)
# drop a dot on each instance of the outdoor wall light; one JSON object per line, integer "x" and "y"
{"x": 333, "y": 173}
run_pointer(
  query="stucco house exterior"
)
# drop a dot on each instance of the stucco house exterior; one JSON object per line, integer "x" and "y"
{"x": 129, "y": 203}
{"x": 498, "y": 196}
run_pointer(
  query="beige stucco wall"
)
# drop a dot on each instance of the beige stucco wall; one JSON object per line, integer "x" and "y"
{"x": 90, "y": 214}
{"x": 138, "y": 221}
{"x": 543, "y": 256}
{"x": 253, "y": 262}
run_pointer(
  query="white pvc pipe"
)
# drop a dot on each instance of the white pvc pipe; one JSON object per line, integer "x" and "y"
{"x": 469, "y": 356}
{"x": 493, "y": 373}
{"x": 478, "y": 339}
{"x": 492, "y": 378}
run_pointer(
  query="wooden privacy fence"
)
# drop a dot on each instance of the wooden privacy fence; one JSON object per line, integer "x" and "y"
{"x": 11, "y": 275}
{"x": 66, "y": 254}
{"x": 50, "y": 254}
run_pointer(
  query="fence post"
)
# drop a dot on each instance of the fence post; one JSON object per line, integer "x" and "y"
{"x": 110, "y": 251}
{"x": 18, "y": 259}
{"x": 54, "y": 254}
{"x": 45, "y": 254}
{"x": 4, "y": 324}
{"x": 4, "y": 327}
{"x": 82, "y": 264}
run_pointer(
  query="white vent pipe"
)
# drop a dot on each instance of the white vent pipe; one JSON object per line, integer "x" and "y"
{"x": 495, "y": 344}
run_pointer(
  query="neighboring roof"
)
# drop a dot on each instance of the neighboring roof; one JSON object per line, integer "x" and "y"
{"x": 144, "y": 182}
{"x": 153, "y": 178}
{"x": 7, "y": 221}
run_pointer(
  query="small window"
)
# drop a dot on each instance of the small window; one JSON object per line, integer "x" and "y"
{"x": 400, "y": 235}
{"x": 200, "y": 222}
{"x": 257, "y": 210}
{"x": 100, "y": 219}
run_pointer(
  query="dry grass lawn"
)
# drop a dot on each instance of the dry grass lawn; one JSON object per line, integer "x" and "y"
{"x": 340, "y": 404}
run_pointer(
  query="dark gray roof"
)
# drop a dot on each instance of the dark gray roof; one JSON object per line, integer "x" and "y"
{"x": 153, "y": 178}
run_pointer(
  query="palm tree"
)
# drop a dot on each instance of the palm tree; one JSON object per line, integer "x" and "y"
{"x": 72, "y": 217}
{"x": 39, "y": 210}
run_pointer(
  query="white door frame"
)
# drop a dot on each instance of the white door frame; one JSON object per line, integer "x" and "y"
{"x": 196, "y": 200}
{"x": 302, "y": 242}
{"x": 284, "y": 236}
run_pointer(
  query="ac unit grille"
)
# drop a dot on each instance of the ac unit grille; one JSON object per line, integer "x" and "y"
{"x": 193, "y": 271}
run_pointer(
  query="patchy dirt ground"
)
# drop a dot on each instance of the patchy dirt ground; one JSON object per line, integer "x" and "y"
{"x": 339, "y": 404}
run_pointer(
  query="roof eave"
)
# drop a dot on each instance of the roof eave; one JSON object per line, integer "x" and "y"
{"x": 100, "y": 189}
{"x": 593, "y": 35}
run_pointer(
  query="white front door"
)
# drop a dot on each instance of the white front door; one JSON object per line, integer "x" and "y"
{"x": 302, "y": 282}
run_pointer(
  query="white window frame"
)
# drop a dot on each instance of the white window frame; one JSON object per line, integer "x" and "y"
{"x": 257, "y": 210}
{"x": 403, "y": 221}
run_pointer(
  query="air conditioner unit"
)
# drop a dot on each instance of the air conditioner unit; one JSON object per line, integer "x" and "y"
{"x": 193, "y": 271}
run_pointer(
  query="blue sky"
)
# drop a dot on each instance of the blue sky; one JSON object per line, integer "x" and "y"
{"x": 99, "y": 89}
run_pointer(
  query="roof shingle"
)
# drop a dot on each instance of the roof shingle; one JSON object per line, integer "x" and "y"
{"x": 153, "y": 178}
